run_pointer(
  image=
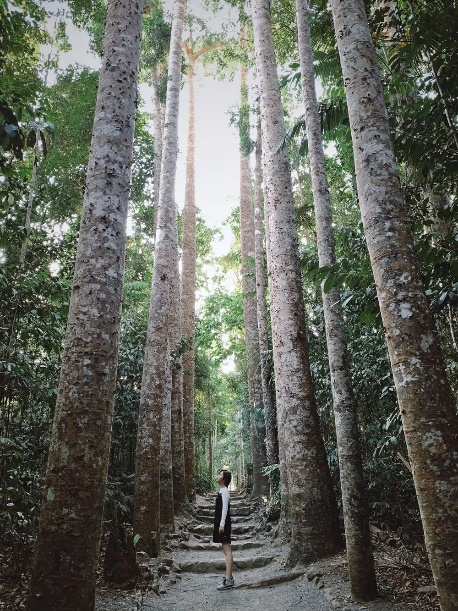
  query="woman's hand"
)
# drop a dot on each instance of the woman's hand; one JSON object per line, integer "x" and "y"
{"x": 221, "y": 530}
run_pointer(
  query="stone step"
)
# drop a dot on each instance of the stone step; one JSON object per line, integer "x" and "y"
{"x": 216, "y": 565}
{"x": 209, "y": 517}
{"x": 271, "y": 581}
{"x": 237, "y": 529}
{"x": 210, "y": 546}
{"x": 236, "y": 510}
{"x": 211, "y": 502}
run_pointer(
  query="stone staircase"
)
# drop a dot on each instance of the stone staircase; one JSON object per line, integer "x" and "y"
{"x": 199, "y": 555}
{"x": 196, "y": 565}
{"x": 186, "y": 574}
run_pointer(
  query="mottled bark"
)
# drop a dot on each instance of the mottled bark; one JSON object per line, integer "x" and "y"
{"x": 162, "y": 315}
{"x": 158, "y": 131}
{"x": 188, "y": 289}
{"x": 284, "y": 497}
{"x": 166, "y": 477}
{"x": 188, "y": 275}
{"x": 270, "y": 412}
{"x": 241, "y": 472}
{"x": 178, "y": 457}
{"x": 313, "y": 510}
{"x": 67, "y": 548}
{"x": 250, "y": 316}
{"x": 424, "y": 396}
{"x": 355, "y": 509}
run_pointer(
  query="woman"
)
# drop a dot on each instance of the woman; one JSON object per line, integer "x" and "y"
{"x": 222, "y": 526}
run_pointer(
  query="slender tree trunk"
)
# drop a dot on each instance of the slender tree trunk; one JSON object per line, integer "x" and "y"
{"x": 188, "y": 293}
{"x": 258, "y": 449}
{"x": 424, "y": 396}
{"x": 158, "y": 131}
{"x": 355, "y": 508}
{"x": 178, "y": 457}
{"x": 188, "y": 276}
{"x": 284, "y": 496}
{"x": 161, "y": 320}
{"x": 210, "y": 434}
{"x": 313, "y": 511}
{"x": 67, "y": 548}
{"x": 32, "y": 185}
{"x": 270, "y": 413}
{"x": 240, "y": 456}
{"x": 166, "y": 477}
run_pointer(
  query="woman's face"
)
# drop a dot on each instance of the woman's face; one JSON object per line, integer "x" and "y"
{"x": 220, "y": 478}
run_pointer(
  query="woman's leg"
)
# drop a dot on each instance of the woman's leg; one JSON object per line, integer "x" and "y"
{"x": 227, "y": 549}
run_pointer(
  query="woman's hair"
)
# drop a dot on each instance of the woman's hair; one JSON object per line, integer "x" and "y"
{"x": 227, "y": 476}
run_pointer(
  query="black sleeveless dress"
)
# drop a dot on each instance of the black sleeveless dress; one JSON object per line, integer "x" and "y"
{"x": 224, "y": 537}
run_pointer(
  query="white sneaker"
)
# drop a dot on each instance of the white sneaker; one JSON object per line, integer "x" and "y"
{"x": 226, "y": 584}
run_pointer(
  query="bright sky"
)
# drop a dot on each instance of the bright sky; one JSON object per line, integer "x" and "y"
{"x": 217, "y": 153}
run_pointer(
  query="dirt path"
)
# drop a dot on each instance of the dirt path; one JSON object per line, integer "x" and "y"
{"x": 192, "y": 567}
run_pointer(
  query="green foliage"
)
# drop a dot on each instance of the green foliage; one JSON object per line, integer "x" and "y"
{"x": 155, "y": 37}
{"x": 246, "y": 143}
{"x": 62, "y": 175}
{"x": 21, "y": 32}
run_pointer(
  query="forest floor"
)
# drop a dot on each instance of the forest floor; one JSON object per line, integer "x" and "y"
{"x": 186, "y": 574}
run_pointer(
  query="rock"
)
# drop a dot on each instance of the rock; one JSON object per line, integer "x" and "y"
{"x": 218, "y": 564}
{"x": 163, "y": 569}
{"x": 328, "y": 593}
{"x": 335, "y": 604}
{"x": 426, "y": 589}
{"x": 271, "y": 581}
{"x": 312, "y": 573}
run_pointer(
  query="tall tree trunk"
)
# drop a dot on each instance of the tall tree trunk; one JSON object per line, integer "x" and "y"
{"x": 67, "y": 548}
{"x": 32, "y": 185}
{"x": 188, "y": 275}
{"x": 241, "y": 474}
{"x": 285, "y": 518}
{"x": 188, "y": 292}
{"x": 210, "y": 433}
{"x": 270, "y": 412}
{"x": 178, "y": 457}
{"x": 162, "y": 321}
{"x": 424, "y": 396}
{"x": 355, "y": 508}
{"x": 158, "y": 132}
{"x": 258, "y": 432}
{"x": 313, "y": 511}
{"x": 166, "y": 477}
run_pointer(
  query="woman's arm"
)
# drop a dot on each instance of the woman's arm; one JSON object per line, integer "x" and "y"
{"x": 225, "y": 496}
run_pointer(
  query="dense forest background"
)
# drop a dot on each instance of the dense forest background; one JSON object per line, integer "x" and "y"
{"x": 46, "y": 118}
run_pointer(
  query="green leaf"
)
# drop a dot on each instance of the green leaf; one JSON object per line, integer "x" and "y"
{"x": 329, "y": 283}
